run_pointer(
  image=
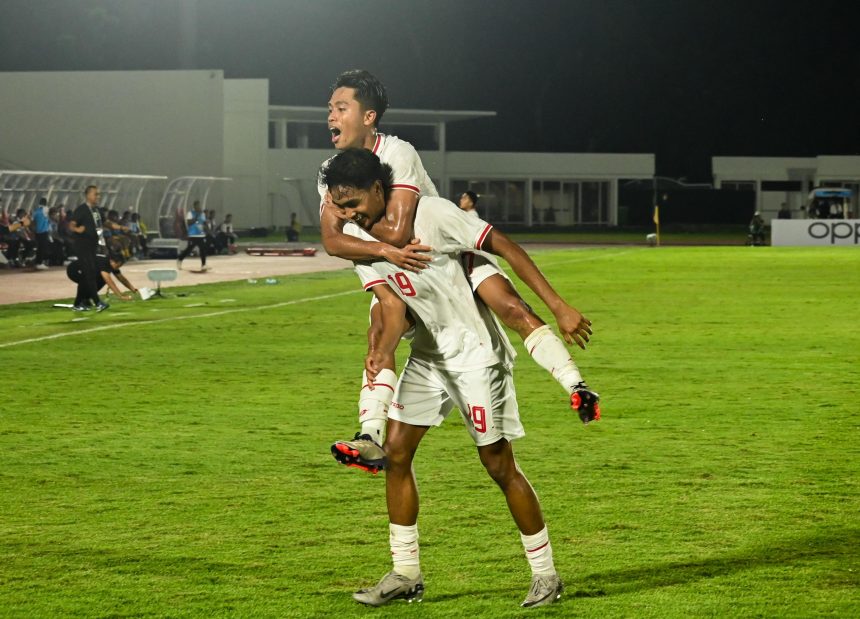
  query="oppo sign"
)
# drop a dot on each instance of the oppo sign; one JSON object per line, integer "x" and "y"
{"x": 815, "y": 232}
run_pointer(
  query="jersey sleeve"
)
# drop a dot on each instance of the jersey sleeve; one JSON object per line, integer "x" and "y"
{"x": 458, "y": 228}
{"x": 406, "y": 167}
{"x": 368, "y": 276}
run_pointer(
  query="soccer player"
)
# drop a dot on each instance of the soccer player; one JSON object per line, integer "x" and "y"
{"x": 357, "y": 104}
{"x": 460, "y": 357}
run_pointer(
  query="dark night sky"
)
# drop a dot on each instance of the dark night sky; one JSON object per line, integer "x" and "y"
{"x": 685, "y": 79}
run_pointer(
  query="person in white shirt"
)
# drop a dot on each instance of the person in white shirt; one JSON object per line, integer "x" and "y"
{"x": 357, "y": 104}
{"x": 460, "y": 358}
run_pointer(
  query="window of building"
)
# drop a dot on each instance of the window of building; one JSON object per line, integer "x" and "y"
{"x": 738, "y": 185}
{"x": 499, "y": 201}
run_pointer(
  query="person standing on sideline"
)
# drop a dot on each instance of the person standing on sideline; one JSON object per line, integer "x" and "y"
{"x": 196, "y": 236}
{"x": 86, "y": 227}
{"x": 42, "y": 224}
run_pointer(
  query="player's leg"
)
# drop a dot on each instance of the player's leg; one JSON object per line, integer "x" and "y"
{"x": 546, "y": 586}
{"x": 491, "y": 414}
{"x": 545, "y": 347}
{"x": 364, "y": 451}
{"x": 420, "y": 403}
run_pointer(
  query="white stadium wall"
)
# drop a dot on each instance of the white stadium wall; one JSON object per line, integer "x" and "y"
{"x": 246, "y": 110}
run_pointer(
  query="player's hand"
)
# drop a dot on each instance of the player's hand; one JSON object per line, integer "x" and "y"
{"x": 375, "y": 362}
{"x": 126, "y": 297}
{"x": 573, "y": 326}
{"x": 412, "y": 257}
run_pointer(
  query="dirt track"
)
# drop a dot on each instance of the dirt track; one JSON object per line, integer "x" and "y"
{"x": 25, "y": 285}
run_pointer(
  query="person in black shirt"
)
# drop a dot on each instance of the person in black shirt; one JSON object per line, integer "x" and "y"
{"x": 86, "y": 228}
{"x": 107, "y": 269}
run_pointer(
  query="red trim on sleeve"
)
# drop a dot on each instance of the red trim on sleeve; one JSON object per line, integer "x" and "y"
{"x": 405, "y": 186}
{"x": 378, "y": 143}
{"x": 375, "y": 282}
{"x": 482, "y": 237}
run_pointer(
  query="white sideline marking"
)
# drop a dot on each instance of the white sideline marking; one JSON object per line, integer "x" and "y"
{"x": 575, "y": 258}
{"x": 264, "y": 307}
{"x": 172, "y": 318}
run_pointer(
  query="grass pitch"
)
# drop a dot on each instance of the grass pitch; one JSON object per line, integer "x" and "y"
{"x": 171, "y": 458}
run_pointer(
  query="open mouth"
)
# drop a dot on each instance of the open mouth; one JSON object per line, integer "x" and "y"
{"x": 335, "y": 134}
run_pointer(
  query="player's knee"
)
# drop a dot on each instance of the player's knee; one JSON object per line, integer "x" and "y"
{"x": 516, "y": 313}
{"x": 500, "y": 468}
{"x": 398, "y": 457}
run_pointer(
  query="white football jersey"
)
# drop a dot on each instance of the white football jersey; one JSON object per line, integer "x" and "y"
{"x": 453, "y": 330}
{"x": 408, "y": 171}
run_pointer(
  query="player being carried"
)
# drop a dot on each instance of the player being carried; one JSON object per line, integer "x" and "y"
{"x": 460, "y": 356}
{"x": 357, "y": 104}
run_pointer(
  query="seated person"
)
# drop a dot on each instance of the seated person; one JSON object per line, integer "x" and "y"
{"x": 137, "y": 233}
{"x": 9, "y": 239}
{"x": 226, "y": 239}
{"x": 20, "y": 241}
{"x": 108, "y": 267}
{"x": 119, "y": 240}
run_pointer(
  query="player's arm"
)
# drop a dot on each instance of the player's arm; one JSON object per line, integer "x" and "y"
{"x": 337, "y": 243}
{"x": 383, "y": 343}
{"x": 395, "y": 228}
{"x": 573, "y": 326}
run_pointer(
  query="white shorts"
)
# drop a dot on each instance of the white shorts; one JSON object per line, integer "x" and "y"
{"x": 479, "y": 266}
{"x": 486, "y": 398}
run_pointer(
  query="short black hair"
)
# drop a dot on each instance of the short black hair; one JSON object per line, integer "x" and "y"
{"x": 116, "y": 257}
{"x": 356, "y": 167}
{"x": 369, "y": 91}
{"x": 472, "y": 196}
{"x": 43, "y": 201}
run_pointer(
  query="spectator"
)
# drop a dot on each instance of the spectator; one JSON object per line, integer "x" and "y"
{"x": 137, "y": 230}
{"x": 119, "y": 236}
{"x": 64, "y": 234}
{"x": 226, "y": 239}
{"x": 784, "y": 212}
{"x": 56, "y": 249}
{"x": 10, "y": 232}
{"x": 196, "y": 226}
{"x": 42, "y": 228}
{"x": 294, "y": 228}
{"x": 20, "y": 239}
{"x": 211, "y": 230}
{"x": 106, "y": 268}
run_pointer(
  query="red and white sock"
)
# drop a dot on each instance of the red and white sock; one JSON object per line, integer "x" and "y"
{"x": 539, "y": 552}
{"x": 373, "y": 404}
{"x": 404, "y": 549}
{"x": 549, "y": 352}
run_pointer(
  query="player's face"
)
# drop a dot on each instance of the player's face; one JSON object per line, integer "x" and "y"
{"x": 349, "y": 124}
{"x": 363, "y": 206}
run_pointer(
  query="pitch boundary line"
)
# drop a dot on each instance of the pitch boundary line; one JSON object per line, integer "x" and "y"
{"x": 173, "y": 318}
{"x": 237, "y": 310}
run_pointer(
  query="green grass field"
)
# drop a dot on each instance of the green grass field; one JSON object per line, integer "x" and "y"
{"x": 171, "y": 458}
